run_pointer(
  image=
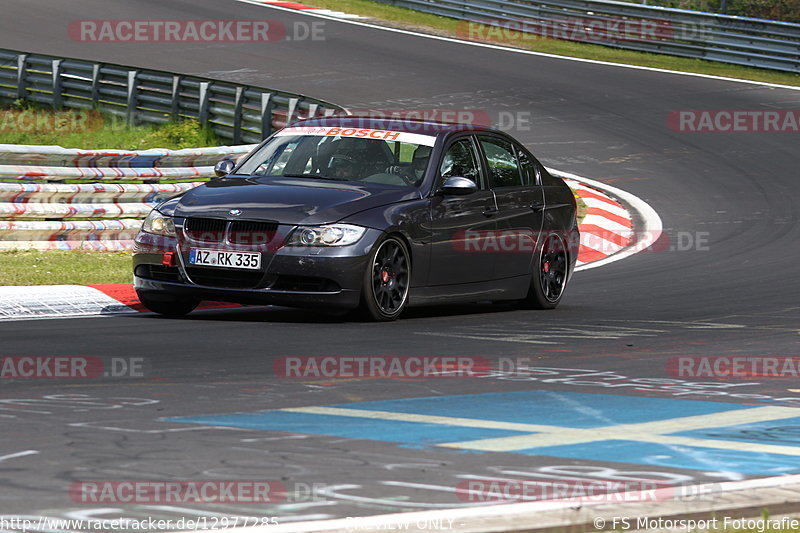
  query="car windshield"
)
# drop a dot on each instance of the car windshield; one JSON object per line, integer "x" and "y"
{"x": 346, "y": 154}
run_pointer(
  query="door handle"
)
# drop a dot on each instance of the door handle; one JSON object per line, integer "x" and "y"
{"x": 537, "y": 207}
{"x": 490, "y": 212}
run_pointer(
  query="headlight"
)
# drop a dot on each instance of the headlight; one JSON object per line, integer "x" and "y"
{"x": 159, "y": 224}
{"x": 331, "y": 235}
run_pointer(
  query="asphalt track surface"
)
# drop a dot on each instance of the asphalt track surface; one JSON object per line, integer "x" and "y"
{"x": 734, "y": 294}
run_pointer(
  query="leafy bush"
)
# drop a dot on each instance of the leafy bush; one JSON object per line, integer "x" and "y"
{"x": 184, "y": 134}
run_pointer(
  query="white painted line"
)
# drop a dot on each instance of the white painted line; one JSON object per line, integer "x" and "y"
{"x": 519, "y": 51}
{"x": 18, "y": 454}
{"x": 337, "y": 14}
{"x": 427, "y": 419}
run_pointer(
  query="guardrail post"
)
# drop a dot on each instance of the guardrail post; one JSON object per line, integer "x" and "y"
{"x": 238, "y": 104}
{"x": 202, "y": 113}
{"x": 133, "y": 75}
{"x": 293, "y": 103}
{"x": 266, "y": 115}
{"x": 176, "y": 90}
{"x": 95, "y": 85}
{"x": 57, "y": 84}
{"x": 22, "y": 70}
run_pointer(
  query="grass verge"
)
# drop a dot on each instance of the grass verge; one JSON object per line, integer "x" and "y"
{"x": 427, "y": 23}
{"x": 24, "y": 123}
{"x": 59, "y": 267}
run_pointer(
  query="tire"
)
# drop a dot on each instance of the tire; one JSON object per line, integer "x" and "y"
{"x": 549, "y": 278}
{"x": 387, "y": 278}
{"x": 168, "y": 305}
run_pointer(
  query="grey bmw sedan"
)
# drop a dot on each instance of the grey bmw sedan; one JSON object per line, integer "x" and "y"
{"x": 366, "y": 214}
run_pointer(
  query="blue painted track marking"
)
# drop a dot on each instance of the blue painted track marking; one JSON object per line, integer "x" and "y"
{"x": 352, "y": 427}
{"x": 785, "y": 432}
{"x": 603, "y": 427}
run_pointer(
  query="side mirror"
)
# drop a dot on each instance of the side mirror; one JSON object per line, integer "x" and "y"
{"x": 458, "y": 186}
{"x": 224, "y": 167}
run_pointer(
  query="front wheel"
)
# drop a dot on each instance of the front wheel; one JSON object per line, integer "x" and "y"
{"x": 549, "y": 274}
{"x": 387, "y": 278}
{"x": 167, "y": 304}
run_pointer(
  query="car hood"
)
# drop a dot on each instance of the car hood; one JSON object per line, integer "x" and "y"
{"x": 295, "y": 201}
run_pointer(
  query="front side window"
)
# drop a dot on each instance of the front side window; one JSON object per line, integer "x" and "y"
{"x": 346, "y": 154}
{"x": 461, "y": 159}
{"x": 502, "y": 162}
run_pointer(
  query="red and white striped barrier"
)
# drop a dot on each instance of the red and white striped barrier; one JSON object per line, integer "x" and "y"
{"x": 90, "y": 201}
{"x": 35, "y": 173}
{"x": 107, "y": 235}
{"x": 21, "y": 154}
{"x": 97, "y": 215}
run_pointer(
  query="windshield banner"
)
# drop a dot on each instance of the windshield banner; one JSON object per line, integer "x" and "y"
{"x": 381, "y": 135}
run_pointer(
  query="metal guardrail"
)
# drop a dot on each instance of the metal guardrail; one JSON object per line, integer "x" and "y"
{"x": 239, "y": 113}
{"x": 729, "y": 39}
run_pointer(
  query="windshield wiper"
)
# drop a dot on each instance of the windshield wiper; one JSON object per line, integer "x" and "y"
{"x": 319, "y": 176}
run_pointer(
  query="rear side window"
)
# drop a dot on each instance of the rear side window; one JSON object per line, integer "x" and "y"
{"x": 502, "y": 162}
{"x": 530, "y": 170}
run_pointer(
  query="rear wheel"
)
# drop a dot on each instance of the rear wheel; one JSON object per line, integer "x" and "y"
{"x": 167, "y": 304}
{"x": 387, "y": 278}
{"x": 549, "y": 275}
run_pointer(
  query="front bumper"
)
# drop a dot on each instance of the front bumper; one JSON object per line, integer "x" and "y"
{"x": 294, "y": 276}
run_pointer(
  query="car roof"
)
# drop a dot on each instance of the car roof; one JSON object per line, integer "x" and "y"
{"x": 409, "y": 125}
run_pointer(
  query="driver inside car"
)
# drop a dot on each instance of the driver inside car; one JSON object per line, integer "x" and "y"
{"x": 343, "y": 167}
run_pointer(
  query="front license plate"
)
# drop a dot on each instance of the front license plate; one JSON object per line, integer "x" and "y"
{"x": 218, "y": 258}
